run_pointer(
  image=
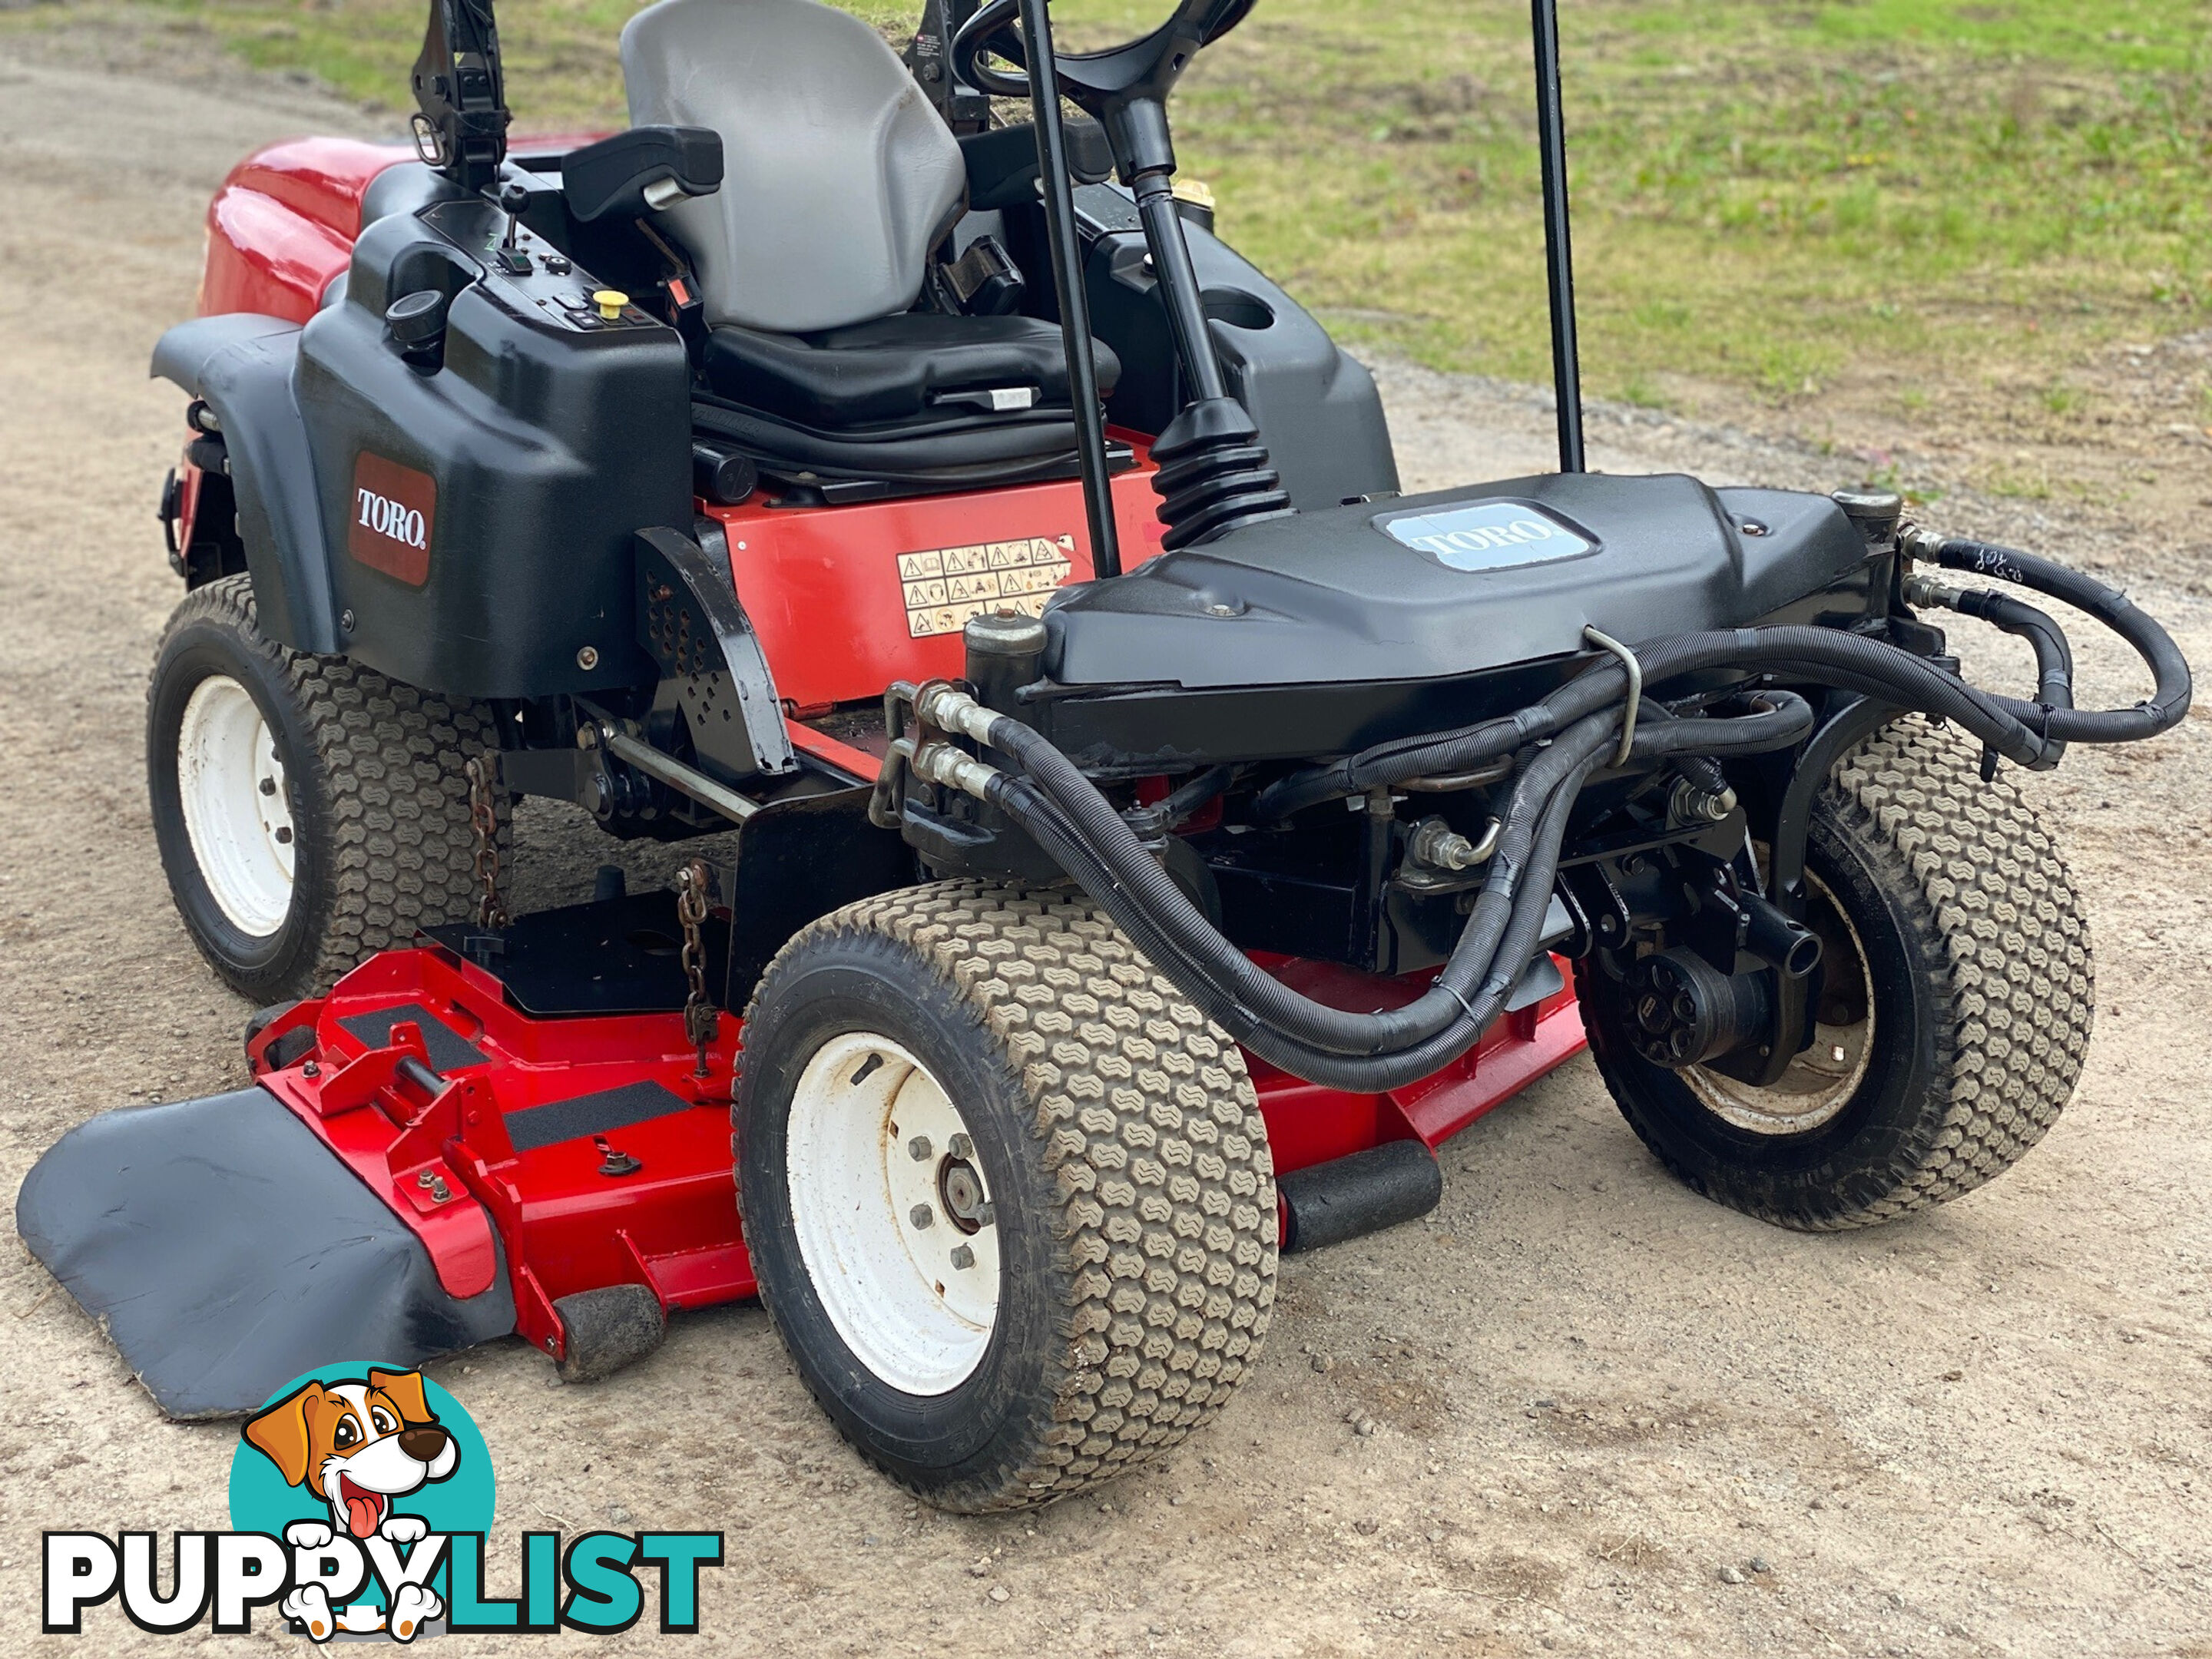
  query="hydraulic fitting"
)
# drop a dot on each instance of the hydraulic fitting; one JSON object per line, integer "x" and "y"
{"x": 1435, "y": 845}
{"x": 940, "y": 762}
{"x": 949, "y": 708}
{"x": 1924, "y": 590}
{"x": 1915, "y": 543}
{"x": 1691, "y": 804}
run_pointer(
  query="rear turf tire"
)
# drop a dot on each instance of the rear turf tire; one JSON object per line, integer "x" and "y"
{"x": 1960, "y": 937}
{"x": 1126, "y": 1274}
{"x": 361, "y": 778}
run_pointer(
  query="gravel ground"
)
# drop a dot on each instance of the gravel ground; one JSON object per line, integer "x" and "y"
{"x": 1602, "y": 1416}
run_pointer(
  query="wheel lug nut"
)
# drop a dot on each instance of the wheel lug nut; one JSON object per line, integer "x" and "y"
{"x": 268, "y": 785}
{"x": 918, "y": 1149}
{"x": 963, "y": 1257}
{"x": 961, "y": 1147}
{"x": 921, "y": 1215}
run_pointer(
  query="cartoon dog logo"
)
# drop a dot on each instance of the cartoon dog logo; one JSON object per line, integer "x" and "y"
{"x": 358, "y": 1445}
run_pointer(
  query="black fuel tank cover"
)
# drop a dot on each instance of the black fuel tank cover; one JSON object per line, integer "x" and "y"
{"x": 1457, "y": 582}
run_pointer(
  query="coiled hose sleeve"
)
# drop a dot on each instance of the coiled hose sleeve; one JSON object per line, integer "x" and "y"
{"x": 2168, "y": 702}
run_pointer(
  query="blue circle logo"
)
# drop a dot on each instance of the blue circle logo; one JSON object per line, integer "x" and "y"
{"x": 355, "y": 1465}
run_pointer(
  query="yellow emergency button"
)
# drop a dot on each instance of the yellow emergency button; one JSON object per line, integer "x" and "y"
{"x": 610, "y": 301}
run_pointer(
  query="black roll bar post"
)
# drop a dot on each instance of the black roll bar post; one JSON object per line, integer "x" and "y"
{"x": 1558, "y": 250}
{"x": 1067, "y": 283}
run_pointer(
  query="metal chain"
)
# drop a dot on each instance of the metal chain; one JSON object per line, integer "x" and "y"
{"x": 483, "y": 819}
{"x": 701, "y": 1019}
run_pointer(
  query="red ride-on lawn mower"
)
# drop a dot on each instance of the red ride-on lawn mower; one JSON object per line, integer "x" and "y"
{"x": 1154, "y": 834}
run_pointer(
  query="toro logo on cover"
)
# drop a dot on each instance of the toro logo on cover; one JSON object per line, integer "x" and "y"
{"x": 394, "y": 510}
{"x": 1485, "y": 535}
{"x": 360, "y": 1499}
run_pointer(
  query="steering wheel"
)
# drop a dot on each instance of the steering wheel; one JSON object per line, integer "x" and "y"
{"x": 1092, "y": 81}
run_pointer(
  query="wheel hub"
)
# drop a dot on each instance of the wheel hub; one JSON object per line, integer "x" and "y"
{"x": 962, "y": 1188}
{"x": 237, "y": 808}
{"x": 1821, "y": 1080}
{"x": 894, "y": 1216}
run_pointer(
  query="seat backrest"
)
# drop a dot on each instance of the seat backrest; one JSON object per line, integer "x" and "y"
{"x": 838, "y": 175}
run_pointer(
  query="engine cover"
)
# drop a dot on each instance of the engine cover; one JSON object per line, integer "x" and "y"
{"x": 1459, "y": 581}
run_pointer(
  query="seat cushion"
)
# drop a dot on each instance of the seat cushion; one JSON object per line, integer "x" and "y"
{"x": 896, "y": 369}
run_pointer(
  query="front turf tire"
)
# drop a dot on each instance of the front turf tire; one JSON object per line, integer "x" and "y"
{"x": 365, "y": 781}
{"x": 1974, "y": 964}
{"x": 1118, "y": 1140}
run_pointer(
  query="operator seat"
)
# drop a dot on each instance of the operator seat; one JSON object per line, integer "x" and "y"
{"x": 839, "y": 181}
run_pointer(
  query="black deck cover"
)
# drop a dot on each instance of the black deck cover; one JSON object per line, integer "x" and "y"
{"x": 227, "y": 1251}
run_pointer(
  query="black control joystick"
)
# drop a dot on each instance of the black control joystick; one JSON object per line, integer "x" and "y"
{"x": 512, "y": 199}
{"x": 1215, "y": 474}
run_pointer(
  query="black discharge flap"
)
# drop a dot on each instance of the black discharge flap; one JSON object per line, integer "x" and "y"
{"x": 227, "y": 1251}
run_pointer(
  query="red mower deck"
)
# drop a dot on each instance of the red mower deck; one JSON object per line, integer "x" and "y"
{"x": 599, "y": 1153}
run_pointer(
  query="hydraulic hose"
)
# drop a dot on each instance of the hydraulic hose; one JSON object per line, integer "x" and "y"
{"x": 1115, "y": 867}
{"x": 1554, "y": 746}
{"x": 2054, "y": 658}
{"x": 2169, "y": 701}
{"x": 2022, "y": 732}
{"x": 1028, "y": 807}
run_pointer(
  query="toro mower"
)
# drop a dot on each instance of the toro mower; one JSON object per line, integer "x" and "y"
{"x": 1153, "y": 833}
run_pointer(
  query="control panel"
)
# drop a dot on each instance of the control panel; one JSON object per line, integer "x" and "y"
{"x": 530, "y": 274}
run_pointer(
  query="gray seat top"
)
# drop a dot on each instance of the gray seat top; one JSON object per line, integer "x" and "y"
{"x": 839, "y": 177}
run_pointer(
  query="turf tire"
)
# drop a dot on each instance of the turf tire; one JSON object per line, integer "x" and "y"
{"x": 1127, "y": 1163}
{"x": 374, "y": 780}
{"x": 1983, "y": 988}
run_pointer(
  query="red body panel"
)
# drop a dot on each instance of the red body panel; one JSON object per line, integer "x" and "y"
{"x": 847, "y": 600}
{"x": 284, "y": 224}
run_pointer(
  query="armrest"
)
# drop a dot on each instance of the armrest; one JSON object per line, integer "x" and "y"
{"x": 1002, "y": 164}
{"x": 644, "y": 169}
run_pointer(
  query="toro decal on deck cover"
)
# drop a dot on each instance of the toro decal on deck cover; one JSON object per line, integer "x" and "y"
{"x": 360, "y": 1496}
{"x": 1489, "y": 536}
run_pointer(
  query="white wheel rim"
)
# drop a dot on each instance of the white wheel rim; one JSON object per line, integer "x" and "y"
{"x": 236, "y": 811}
{"x": 915, "y": 1303}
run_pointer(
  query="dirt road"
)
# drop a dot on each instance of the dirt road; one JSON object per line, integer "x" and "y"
{"x": 1609, "y": 1419}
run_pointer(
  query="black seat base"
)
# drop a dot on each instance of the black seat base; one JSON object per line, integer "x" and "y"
{"x": 917, "y": 366}
{"x": 977, "y": 453}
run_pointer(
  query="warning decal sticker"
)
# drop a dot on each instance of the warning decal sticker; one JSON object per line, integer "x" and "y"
{"x": 945, "y": 586}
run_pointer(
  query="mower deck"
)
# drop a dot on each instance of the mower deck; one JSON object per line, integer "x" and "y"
{"x": 560, "y": 1131}
{"x": 591, "y": 1143}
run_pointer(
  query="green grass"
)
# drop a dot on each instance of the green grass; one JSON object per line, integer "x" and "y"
{"x": 1778, "y": 200}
